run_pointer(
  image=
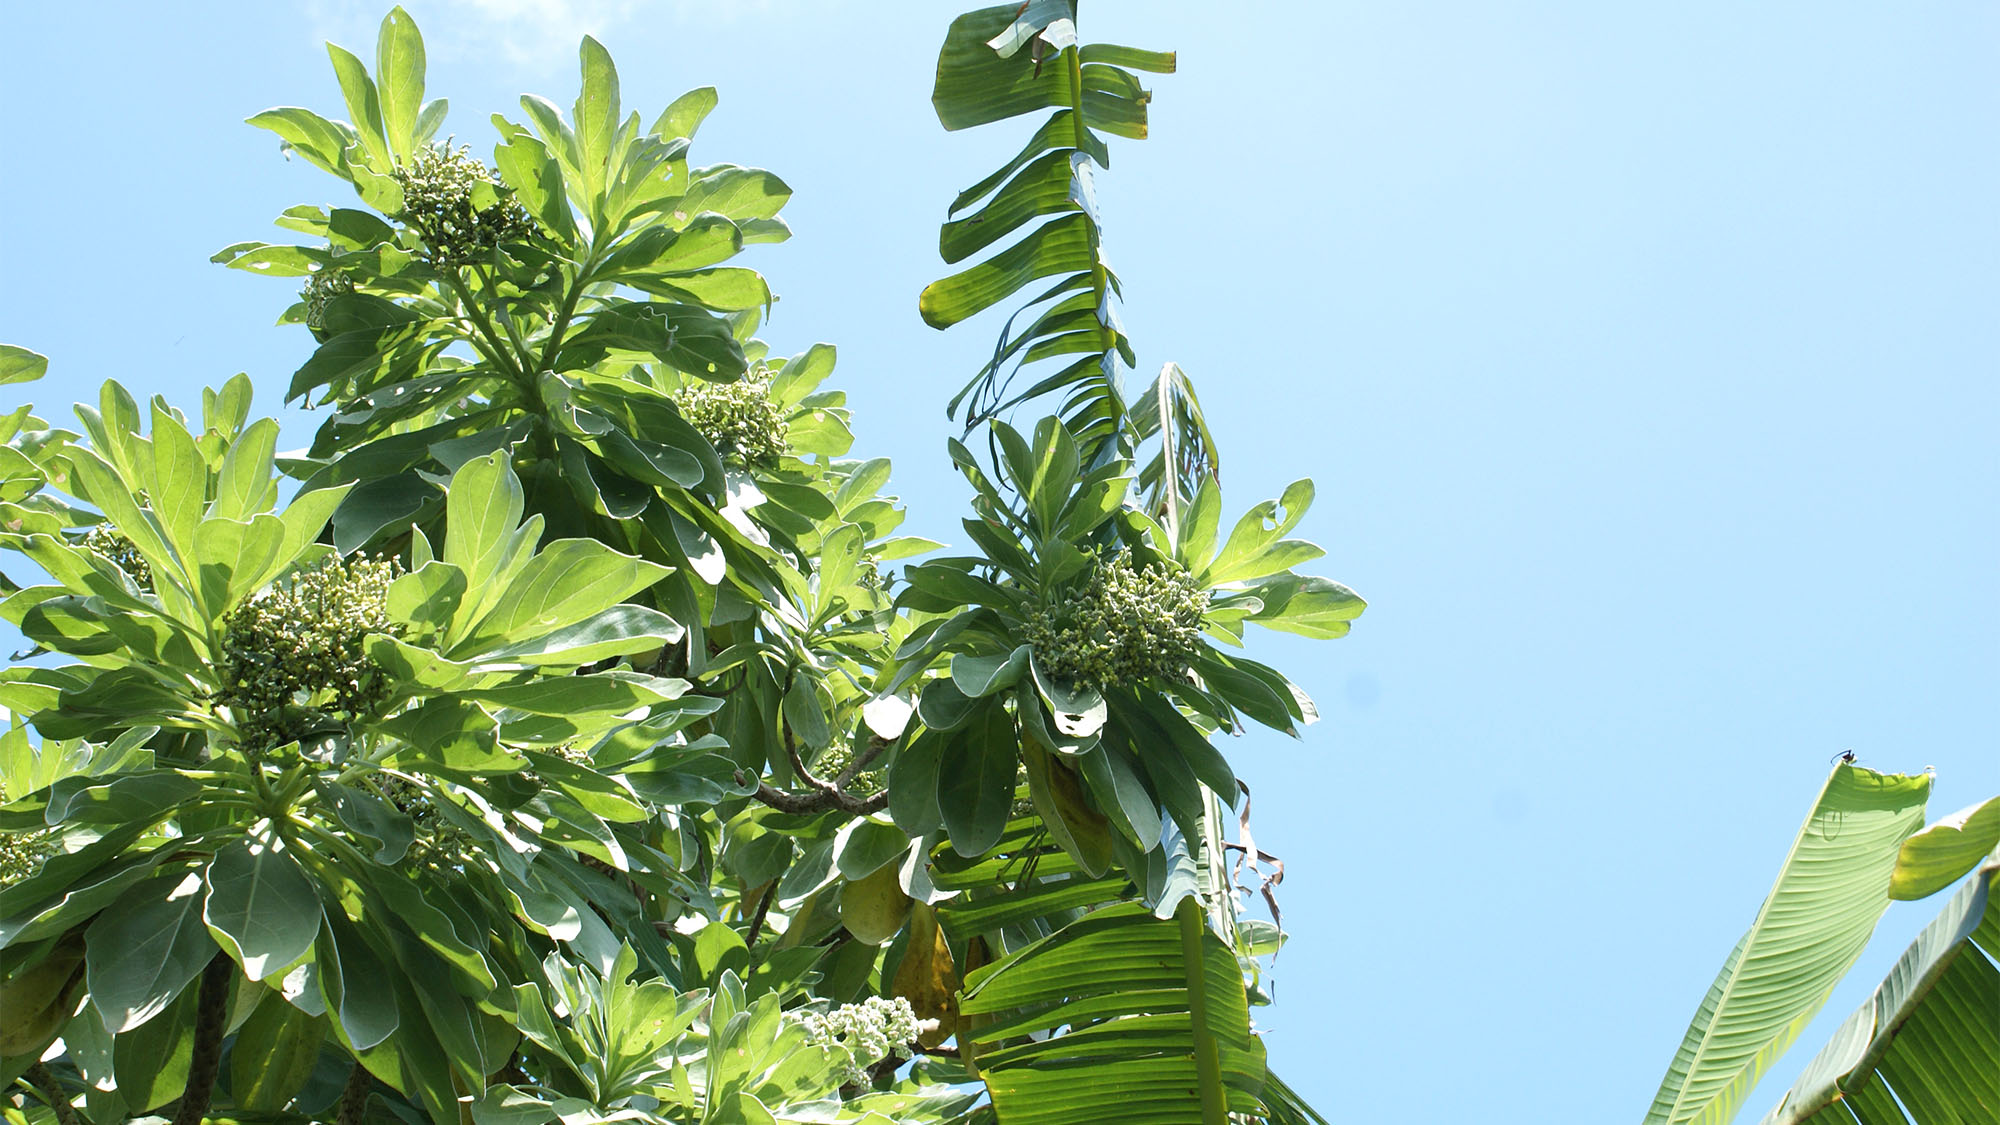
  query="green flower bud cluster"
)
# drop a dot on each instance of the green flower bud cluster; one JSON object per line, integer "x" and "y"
{"x": 738, "y": 419}
{"x": 107, "y": 544}
{"x": 459, "y": 207}
{"x": 1125, "y": 625}
{"x": 294, "y": 657}
{"x": 836, "y": 758}
{"x": 322, "y": 286}
{"x": 439, "y": 843}
{"x": 868, "y": 1032}
{"x": 22, "y": 853}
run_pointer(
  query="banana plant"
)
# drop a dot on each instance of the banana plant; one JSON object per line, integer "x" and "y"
{"x": 1814, "y": 923}
{"x": 1923, "y": 1048}
{"x": 1002, "y": 62}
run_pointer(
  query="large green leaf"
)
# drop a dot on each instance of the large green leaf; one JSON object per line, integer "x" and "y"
{"x": 976, "y": 84}
{"x": 1832, "y": 888}
{"x": 1929, "y": 1038}
{"x": 145, "y": 949}
{"x": 1141, "y": 1021}
{"x": 399, "y": 66}
{"x": 260, "y": 906}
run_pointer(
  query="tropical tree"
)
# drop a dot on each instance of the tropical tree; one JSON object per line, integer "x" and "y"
{"x": 565, "y": 733}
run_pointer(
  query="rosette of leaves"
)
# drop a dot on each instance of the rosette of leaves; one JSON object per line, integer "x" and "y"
{"x": 557, "y": 344}
{"x": 1110, "y": 717}
{"x": 196, "y": 871}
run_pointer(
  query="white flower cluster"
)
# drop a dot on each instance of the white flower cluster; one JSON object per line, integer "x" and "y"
{"x": 868, "y": 1032}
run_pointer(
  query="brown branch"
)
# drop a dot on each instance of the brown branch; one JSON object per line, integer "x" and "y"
{"x": 763, "y": 909}
{"x": 52, "y": 1092}
{"x": 876, "y": 745}
{"x": 800, "y": 771}
{"x": 823, "y": 800}
{"x": 211, "y": 1021}
{"x": 354, "y": 1097}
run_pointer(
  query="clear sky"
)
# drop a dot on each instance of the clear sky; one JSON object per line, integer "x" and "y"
{"x": 1644, "y": 356}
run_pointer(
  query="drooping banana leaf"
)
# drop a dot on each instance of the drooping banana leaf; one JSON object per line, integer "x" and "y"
{"x": 1145, "y": 1022}
{"x": 1925, "y": 1048}
{"x": 998, "y": 63}
{"x": 1833, "y": 887}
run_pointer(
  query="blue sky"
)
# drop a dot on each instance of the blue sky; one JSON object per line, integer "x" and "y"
{"x": 1644, "y": 357}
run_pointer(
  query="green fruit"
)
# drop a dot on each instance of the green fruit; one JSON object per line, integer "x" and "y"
{"x": 38, "y": 1000}
{"x": 874, "y": 907}
{"x": 1060, "y": 801}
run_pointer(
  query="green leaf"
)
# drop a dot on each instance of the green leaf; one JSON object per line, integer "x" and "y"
{"x": 349, "y": 976}
{"x": 399, "y": 66}
{"x": 805, "y": 712}
{"x": 1830, "y": 891}
{"x": 19, "y": 365}
{"x": 364, "y": 107}
{"x": 596, "y": 112}
{"x": 618, "y": 631}
{"x": 145, "y": 949}
{"x": 321, "y": 142}
{"x": 913, "y": 784}
{"x": 980, "y": 676}
{"x": 1137, "y": 1019}
{"x": 566, "y": 582}
{"x": 1927, "y": 1038}
{"x": 1930, "y": 860}
{"x": 685, "y": 114}
{"x": 1061, "y": 246}
{"x": 739, "y": 193}
{"x": 976, "y": 84}
{"x": 179, "y": 485}
{"x": 611, "y": 692}
{"x": 243, "y": 486}
{"x": 151, "y": 1061}
{"x": 686, "y": 337}
{"x": 390, "y": 829}
{"x": 976, "y": 781}
{"x": 482, "y": 508}
{"x": 1041, "y": 188}
{"x": 274, "y": 1055}
{"x": 1131, "y": 58}
{"x": 260, "y": 906}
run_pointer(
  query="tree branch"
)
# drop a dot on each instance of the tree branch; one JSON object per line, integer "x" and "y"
{"x": 211, "y": 1021}
{"x": 822, "y": 800}
{"x": 876, "y": 745}
{"x": 52, "y": 1092}
{"x": 354, "y": 1096}
{"x": 763, "y": 909}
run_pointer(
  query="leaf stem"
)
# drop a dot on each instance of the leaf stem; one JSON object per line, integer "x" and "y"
{"x": 1207, "y": 1057}
{"x": 501, "y": 356}
{"x": 1080, "y": 135}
